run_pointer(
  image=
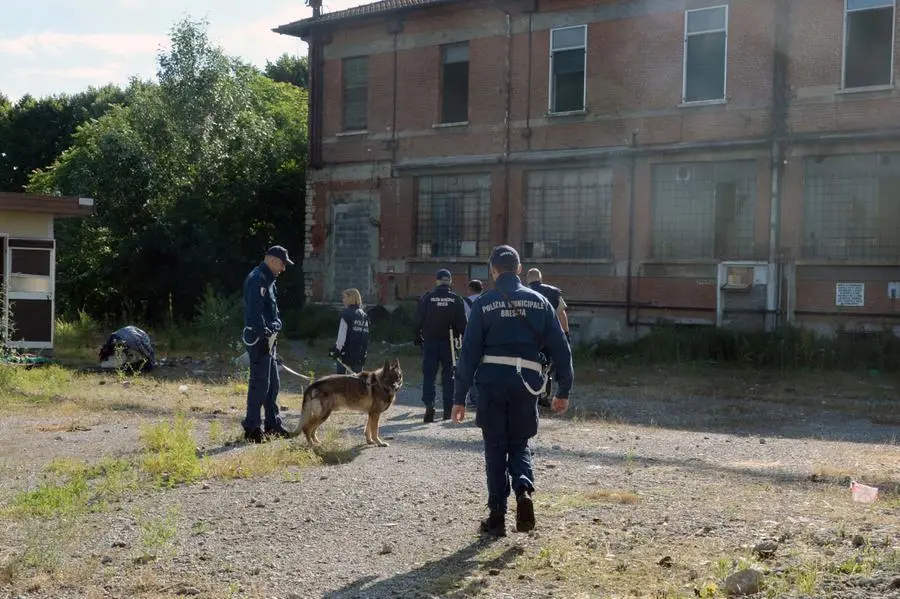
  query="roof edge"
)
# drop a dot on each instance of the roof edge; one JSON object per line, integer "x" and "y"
{"x": 303, "y": 27}
{"x": 58, "y": 206}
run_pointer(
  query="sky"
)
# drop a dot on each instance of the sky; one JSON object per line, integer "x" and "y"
{"x": 64, "y": 46}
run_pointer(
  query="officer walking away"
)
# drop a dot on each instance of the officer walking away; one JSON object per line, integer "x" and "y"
{"x": 262, "y": 322}
{"x": 476, "y": 288}
{"x": 508, "y": 328}
{"x": 353, "y": 334}
{"x": 439, "y": 314}
{"x": 554, "y": 294}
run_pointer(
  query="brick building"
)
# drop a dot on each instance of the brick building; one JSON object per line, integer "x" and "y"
{"x": 732, "y": 162}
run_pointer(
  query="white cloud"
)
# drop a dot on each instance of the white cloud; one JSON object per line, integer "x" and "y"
{"x": 51, "y": 42}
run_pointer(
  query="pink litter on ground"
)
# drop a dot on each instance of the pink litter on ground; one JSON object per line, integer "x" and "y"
{"x": 863, "y": 493}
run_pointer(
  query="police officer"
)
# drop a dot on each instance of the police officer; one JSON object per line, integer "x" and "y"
{"x": 476, "y": 288}
{"x": 554, "y": 295}
{"x": 353, "y": 334}
{"x": 508, "y": 328}
{"x": 439, "y": 315}
{"x": 262, "y": 322}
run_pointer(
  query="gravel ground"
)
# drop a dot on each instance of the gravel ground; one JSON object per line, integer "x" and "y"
{"x": 657, "y": 499}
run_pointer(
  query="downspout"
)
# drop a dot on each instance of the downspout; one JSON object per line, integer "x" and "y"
{"x": 631, "y": 194}
{"x": 395, "y": 30}
{"x": 507, "y": 120}
{"x": 316, "y": 99}
{"x": 778, "y": 157}
{"x": 528, "y": 94}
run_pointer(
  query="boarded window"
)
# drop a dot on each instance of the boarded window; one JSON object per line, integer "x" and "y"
{"x": 704, "y": 210}
{"x": 455, "y": 83}
{"x": 705, "y": 54}
{"x": 454, "y": 215}
{"x": 568, "y": 213}
{"x": 356, "y": 93}
{"x": 567, "y": 68}
{"x": 868, "y": 43}
{"x": 31, "y": 320}
{"x": 852, "y": 207}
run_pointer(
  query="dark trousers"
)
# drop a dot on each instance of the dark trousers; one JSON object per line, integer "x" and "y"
{"x": 436, "y": 353}
{"x": 508, "y": 417}
{"x": 262, "y": 390}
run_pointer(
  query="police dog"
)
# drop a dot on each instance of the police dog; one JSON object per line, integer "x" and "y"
{"x": 371, "y": 392}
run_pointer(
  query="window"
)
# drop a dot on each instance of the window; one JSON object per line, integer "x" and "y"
{"x": 453, "y": 215}
{"x": 455, "y": 83}
{"x": 704, "y": 210}
{"x": 868, "y": 43}
{"x": 356, "y": 93}
{"x": 568, "y": 53}
{"x": 568, "y": 213}
{"x": 851, "y": 207}
{"x": 705, "y": 54}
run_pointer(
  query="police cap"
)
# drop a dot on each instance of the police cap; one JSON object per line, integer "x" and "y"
{"x": 279, "y": 252}
{"x": 443, "y": 275}
{"x": 504, "y": 258}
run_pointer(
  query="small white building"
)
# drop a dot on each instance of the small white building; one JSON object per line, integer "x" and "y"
{"x": 28, "y": 264}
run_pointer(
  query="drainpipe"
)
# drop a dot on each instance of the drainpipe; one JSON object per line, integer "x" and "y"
{"x": 778, "y": 157}
{"x": 631, "y": 181}
{"x": 528, "y": 88}
{"x": 507, "y": 119}
{"x": 394, "y": 27}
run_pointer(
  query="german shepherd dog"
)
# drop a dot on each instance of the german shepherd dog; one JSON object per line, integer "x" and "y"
{"x": 371, "y": 392}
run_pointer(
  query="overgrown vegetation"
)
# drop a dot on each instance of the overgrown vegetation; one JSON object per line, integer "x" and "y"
{"x": 788, "y": 349}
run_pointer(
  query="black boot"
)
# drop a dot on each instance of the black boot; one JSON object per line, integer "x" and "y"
{"x": 494, "y": 524}
{"x": 429, "y": 415}
{"x": 524, "y": 512}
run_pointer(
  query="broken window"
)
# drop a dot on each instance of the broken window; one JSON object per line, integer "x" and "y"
{"x": 453, "y": 217}
{"x": 455, "y": 83}
{"x": 705, "y": 54}
{"x": 868, "y": 43}
{"x": 568, "y": 53}
{"x": 851, "y": 207}
{"x": 568, "y": 213}
{"x": 704, "y": 210}
{"x": 355, "y": 93}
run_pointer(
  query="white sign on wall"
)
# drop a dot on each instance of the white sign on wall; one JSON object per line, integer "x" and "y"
{"x": 850, "y": 294}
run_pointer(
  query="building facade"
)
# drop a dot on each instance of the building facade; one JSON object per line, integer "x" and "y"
{"x": 729, "y": 162}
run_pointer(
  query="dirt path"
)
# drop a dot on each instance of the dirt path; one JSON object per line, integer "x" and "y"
{"x": 662, "y": 498}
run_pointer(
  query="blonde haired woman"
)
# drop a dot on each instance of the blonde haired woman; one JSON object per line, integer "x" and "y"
{"x": 353, "y": 333}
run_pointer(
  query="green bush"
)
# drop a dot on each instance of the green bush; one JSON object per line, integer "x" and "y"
{"x": 393, "y": 327}
{"x": 788, "y": 348}
{"x": 310, "y": 322}
{"x": 218, "y": 316}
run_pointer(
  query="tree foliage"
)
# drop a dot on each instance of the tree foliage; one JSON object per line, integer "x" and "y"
{"x": 194, "y": 177}
{"x": 289, "y": 69}
{"x": 33, "y": 132}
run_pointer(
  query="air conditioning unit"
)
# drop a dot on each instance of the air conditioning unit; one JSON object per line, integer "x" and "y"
{"x": 468, "y": 248}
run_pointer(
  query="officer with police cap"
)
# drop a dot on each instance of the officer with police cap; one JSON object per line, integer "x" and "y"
{"x": 262, "y": 322}
{"x": 509, "y": 327}
{"x": 440, "y": 318}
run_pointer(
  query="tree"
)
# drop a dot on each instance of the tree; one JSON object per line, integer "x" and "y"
{"x": 194, "y": 178}
{"x": 289, "y": 69}
{"x": 33, "y": 132}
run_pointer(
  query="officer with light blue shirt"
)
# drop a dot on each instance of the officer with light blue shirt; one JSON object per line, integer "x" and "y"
{"x": 262, "y": 322}
{"x": 509, "y": 326}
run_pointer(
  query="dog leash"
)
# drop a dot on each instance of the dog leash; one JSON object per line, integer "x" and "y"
{"x": 294, "y": 372}
{"x": 347, "y": 368}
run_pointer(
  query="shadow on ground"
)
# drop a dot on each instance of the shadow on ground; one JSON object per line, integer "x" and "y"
{"x": 450, "y": 576}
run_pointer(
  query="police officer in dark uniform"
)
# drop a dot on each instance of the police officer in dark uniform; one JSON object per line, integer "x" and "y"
{"x": 439, "y": 311}
{"x": 508, "y": 328}
{"x": 554, "y": 295}
{"x": 351, "y": 346}
{"x": 262, "y": 322}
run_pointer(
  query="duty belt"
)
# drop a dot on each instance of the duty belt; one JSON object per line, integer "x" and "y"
{"x": 519, "y": 364}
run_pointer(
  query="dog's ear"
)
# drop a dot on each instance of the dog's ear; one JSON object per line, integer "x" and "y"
{"x": 387, "y": 364}
{"x": 396, "y": 363}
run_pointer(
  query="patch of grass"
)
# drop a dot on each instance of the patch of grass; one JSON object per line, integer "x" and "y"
{"x": 170, "y": 453}
{"x": 580, "y": 500}
{"x": 157, "y": 533}
{"x": 32, "y": 385}
{"x": 612, "y": 496}
{"x": 75, "y": 487}
{"x": 259, "y": 460}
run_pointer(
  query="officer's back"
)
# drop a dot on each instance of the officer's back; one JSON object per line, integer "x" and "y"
{"x": 440, "y": 310}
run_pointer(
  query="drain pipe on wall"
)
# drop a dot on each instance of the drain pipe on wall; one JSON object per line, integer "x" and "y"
{"x": 631, "y": 194}
{"x": 508, "y": 119}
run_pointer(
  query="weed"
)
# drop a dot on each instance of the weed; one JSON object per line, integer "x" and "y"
{"x": 156, "y": 533}
{"x": 259, "y": 460}
{"x": 170, "y": 453}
